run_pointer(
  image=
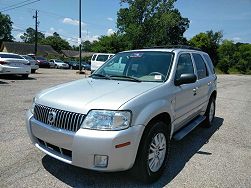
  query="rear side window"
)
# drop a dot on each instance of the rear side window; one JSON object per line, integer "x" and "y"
{"x": 200, "y": 66}
{"x": 184, "y": 66}
{"x": 13, "y": 56}
{"x": 209, "y": 62}
{"x": 102, "y": 58}
{"x": 94, "y": 57}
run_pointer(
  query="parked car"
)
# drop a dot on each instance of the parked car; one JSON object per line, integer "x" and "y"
{"x": 75, "y": 65}
{"x": 99, "y": 59}
{"x": 125, "y": 114}
{"x": 42, "y": 62}
{"x": 59, "y": 64}
{"x": 33, "y": 63}
{"x": 52, "y": 64}
{"x": 14, "y": 64}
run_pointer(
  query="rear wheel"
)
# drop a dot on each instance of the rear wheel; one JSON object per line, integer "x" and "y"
{"x": 33, "y": 70}
{"x": 210, "y": 113}
{"x": 152, "y": 155}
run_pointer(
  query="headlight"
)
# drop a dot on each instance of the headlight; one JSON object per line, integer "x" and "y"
{"x": 33, "y": 105}
{"x": 107, "y": 120}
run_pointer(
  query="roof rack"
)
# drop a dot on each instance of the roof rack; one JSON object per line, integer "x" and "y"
{"x": 175, "y": 46}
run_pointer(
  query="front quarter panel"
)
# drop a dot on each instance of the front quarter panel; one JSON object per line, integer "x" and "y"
{"x": 150, "y": 104}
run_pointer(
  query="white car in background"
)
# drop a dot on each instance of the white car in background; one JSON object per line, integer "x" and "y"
{"x": 14, "y": 64}
{"x": 33, "y": 63}
{"x": 59, "y": 64}
{"x": 99, "y": 59}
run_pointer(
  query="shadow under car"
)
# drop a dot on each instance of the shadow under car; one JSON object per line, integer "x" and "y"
{"x": 181, "y": 152}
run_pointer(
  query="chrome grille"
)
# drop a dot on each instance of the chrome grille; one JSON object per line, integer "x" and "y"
{"x": 70, "y": 121}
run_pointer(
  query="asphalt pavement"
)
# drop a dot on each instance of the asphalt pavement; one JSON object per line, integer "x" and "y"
{"x": 216, "y": 157}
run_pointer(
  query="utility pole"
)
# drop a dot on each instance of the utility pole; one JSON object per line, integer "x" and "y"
{"x": 36, "y": 24}
{"x": 79, "y": 40}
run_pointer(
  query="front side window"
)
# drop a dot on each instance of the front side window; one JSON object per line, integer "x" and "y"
{"x": 143, "y": 66}
{"x": 184, "y": 66}
{"x": 200, "y": 66}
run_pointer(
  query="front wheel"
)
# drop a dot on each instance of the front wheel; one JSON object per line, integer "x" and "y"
{"x": 152, "y": 155}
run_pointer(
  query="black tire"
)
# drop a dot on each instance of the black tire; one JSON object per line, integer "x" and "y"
{"x": 33, "y": 70}
{"x": 209, "y": 120}
{"x": 25, "y": 76}
{"x": 141, "y": 169}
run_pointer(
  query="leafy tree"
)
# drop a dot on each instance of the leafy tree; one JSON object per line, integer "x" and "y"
{"x": 227, "y": 57}
{"x": 244, "y": 56}
{"x": 151, "y": 22}
{"x": 56, "y": 42}
{"x": 86, "y": 46}
{"x": 110, "y": 44}
{"x": 29, "y": 36}
{"x": 208, "y": 42}
{"x": 5, "y": 28}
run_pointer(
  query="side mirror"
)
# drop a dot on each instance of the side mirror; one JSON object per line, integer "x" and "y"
{"x": 185, "y": 79}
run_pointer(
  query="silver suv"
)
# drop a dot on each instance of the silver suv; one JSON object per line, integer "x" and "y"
{"x": 125, "y": 114}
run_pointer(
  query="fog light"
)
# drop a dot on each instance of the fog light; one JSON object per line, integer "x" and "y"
{"x": 100, "y": 161}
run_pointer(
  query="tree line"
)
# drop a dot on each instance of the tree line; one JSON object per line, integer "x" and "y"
{"x": 148, "y": 23}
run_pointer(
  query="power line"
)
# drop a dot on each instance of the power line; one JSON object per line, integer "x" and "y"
{"x": 14, "y": 5}
{"x": 19, "y": 6}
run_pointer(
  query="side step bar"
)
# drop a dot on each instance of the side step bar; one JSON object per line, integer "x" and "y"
{"x": 188, "y": 128}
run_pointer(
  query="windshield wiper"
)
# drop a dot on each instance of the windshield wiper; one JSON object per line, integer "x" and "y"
{"x": 128, "y": 77}
{"x": 102, "y": 76}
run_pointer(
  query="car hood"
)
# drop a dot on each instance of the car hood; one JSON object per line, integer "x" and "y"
{"x": 86, "y": 94}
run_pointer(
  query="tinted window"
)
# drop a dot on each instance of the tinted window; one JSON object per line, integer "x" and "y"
{"x": 209, "y": 62}
{"x": 13, "y": 56}
{"x": 200, "y": 66}
{"x": 102, "y": 58}
{"x": 184, "y": 66}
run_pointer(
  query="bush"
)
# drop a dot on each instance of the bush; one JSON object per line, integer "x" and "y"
{"x": 224, "y": 65}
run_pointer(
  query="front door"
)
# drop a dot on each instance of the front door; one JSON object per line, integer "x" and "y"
{"x": 185, "y": 95}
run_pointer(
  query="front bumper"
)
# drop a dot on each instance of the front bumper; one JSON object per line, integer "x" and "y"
{"x": 84, "y": 144}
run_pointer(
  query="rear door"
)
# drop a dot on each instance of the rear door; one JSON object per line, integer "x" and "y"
{"x": 203, "y": 81}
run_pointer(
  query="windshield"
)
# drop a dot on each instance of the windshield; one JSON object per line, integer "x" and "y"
{"x": 145, "y": 66}
{"x": 41, "y": 58}
{"x": 59, "y": 61}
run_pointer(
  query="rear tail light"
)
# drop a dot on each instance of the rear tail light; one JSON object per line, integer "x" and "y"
{"x": 3, "y": 63}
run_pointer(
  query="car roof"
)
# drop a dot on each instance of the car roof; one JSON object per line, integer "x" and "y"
{"x": 170, "y": 48}
{"x": 176, "y": 50}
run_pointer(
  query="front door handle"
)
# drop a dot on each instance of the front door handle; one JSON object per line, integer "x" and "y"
{"x": 195, "y": 90}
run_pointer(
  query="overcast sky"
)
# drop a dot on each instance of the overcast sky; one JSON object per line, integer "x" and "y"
{"x": 99, "y": 17}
